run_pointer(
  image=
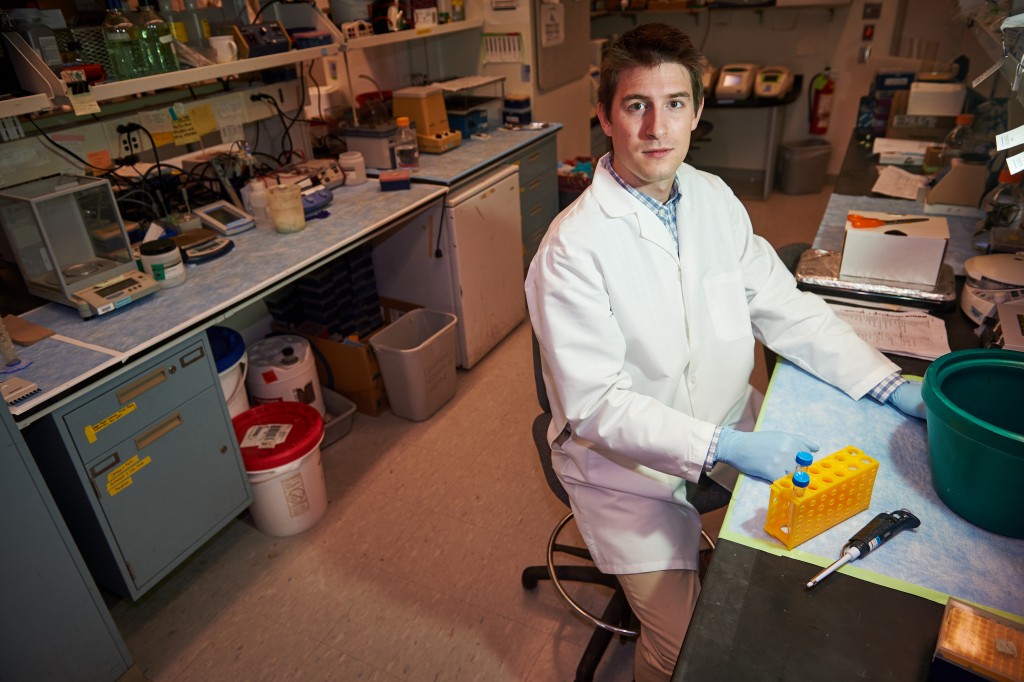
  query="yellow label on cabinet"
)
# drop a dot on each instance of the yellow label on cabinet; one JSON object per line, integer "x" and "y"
{"x": 120, "y": 478}
{"x": 91, "y": 431}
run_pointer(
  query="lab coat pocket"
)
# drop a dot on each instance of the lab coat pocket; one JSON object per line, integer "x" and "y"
{"x": 727, "y": 305}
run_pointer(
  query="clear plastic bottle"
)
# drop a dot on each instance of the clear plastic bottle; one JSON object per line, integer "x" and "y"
{"x": 407, "y": 151}
{"x": 121, "y": 38}
{"x": 173, "y": 20}
{"x": 197, "y": 28}
{"x": 960, "y": 142}
{"x": 801, "y": 480}
{"x": 259, "y": 201}
{"x": 156, "y": 39}
{"x": 803, "y": 460}
{"x": 1004, "y": 208}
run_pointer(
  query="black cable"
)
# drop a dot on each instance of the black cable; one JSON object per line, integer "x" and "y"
{"x": 319, "y": 95}
{"x": 71, "y": 153}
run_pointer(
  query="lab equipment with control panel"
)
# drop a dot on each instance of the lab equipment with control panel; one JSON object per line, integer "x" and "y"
{"x": 735, "y": 81}
{"x": 71, "y": 244}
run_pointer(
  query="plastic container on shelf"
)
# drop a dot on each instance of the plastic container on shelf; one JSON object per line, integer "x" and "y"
{"x": 156, "y": 39}
{"x": 416, "y": 354}
{"x": 259, "y": 203}
{"x": 121, "y": 38}
{"x": 407, "y": 151}
{"x": 280, "y": 446}
{"x": 28, "y": 21}
{"x": 161, "y": 259}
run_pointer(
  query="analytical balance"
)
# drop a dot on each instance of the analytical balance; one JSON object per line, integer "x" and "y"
{"x": 736, "y": 81}
{"x": 71, "y": 244}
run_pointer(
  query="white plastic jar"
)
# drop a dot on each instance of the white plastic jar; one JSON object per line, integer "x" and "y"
{"x": 161, "y": 259}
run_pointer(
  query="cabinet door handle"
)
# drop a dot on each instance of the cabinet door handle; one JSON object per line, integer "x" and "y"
{"x": 533, "y": 185}
{"x": 106, "y": 465}
{"x": 158, "y": 431}
{"x": 192, "y": 356}
{"x": 536, "y": 210}
{"x": 533, "y": 157}
{"x": 133, "y": 391}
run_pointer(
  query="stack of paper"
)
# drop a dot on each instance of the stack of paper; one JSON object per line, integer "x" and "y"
{"x": 913, "y": 334}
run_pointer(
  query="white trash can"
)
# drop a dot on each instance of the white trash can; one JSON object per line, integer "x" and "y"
{"x": 280, "y": 445}
{"x": 416, "y": 354}
{"x": 282, "y": 368}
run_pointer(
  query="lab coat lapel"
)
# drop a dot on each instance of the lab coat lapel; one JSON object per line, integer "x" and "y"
{"x": 616, "y": 202}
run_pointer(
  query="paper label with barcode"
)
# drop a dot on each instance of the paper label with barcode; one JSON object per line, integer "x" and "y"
{"x": 1016, "y": 163}
{"x": 266, "y": 435}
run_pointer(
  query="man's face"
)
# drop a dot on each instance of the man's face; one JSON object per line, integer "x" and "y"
{"x": 651, "y": 118}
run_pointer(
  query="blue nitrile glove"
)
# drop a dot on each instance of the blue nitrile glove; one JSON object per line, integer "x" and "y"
{"x": 764, "y": 454}
{"x": 907, "y": 399}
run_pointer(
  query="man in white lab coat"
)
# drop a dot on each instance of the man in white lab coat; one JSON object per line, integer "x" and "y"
{"x": 646, "y": 296}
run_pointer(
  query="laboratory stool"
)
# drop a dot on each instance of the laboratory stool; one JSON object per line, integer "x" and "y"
{"x": 617, "y": 618}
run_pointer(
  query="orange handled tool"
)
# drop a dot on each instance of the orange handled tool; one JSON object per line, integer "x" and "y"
{"x": 860, "y": 221}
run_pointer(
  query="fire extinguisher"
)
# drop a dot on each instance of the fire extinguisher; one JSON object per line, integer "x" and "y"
{"x": 819, "y": 101}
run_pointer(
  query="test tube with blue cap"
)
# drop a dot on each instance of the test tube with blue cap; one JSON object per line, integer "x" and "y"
{"x": 803, "y": 460}
{"x": 801, "y": 480}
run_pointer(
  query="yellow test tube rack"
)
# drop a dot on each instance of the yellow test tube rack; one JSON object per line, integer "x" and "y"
{"x": 840, "y": 487}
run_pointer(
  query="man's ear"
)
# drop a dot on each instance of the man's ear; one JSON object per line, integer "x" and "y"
{"x": 696, "y": 119}
{"x": 606, "y": 124}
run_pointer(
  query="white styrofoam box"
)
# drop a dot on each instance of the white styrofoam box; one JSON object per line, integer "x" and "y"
{"x": 936, "y": 99}
{"x": 904, "y": 252}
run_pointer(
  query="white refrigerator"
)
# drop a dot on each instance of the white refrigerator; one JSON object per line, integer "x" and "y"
{"x": 466, "y": 259}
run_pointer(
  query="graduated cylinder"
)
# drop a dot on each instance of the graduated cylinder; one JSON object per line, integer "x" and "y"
{"x": 840, "y": 487}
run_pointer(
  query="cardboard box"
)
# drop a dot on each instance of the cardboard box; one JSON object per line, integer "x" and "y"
{"x": 936, "y": 99}
{"x": 903, "y": 252}
{"x": 904, "y": 126}
{"x": 962, "y": 185}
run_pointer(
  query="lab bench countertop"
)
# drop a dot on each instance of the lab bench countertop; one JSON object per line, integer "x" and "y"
{"x": 474, "y": 155}
{"x": 262, "y": 261}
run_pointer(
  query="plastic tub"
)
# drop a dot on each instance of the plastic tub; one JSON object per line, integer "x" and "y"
{"x": 282, "y": 368}
{"x": 287, "y": 478}
{"x": 416, "y": 354}
{"x": 976, "y": 436}
{"x": 232, "y": 365}
{"x": 339, "y": 416}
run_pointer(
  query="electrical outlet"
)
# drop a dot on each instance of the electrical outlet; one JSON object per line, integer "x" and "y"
{"x": 125, "y": 142}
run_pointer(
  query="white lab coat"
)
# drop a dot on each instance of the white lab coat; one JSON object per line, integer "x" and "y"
{"x": 645, "y": 351}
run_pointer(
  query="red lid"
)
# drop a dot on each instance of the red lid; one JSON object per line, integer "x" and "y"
{"x": 307, "y": 430}
{"x": 964, "y": 119}
{"x": 1007, "y": 177}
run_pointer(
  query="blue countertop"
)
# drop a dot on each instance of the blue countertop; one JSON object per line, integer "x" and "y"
{"x": 473, "y": 155}
{"x": 261, "y": 261}
{"x": 946, "y": 555}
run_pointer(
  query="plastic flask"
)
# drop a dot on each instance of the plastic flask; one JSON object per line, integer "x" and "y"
{"x": 121, "y": 39}
{"x": 173, "y": 20}
{"x": 801, "y": 480}
{"x": 197, "y": 28}
{"x": 259, "y": 201}
{"x": 407, "y": 153}
{"x": 1003, "y": 207}
{"x": 803, "y": 460}
{"x": 960, "y": 141}
{"x": 156, "y": 39}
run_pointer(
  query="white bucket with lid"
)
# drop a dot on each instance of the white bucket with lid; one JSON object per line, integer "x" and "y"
{"x": 232, "y": 366}
{"x": 280, "y": 445}
{"x": 282, "y": 368}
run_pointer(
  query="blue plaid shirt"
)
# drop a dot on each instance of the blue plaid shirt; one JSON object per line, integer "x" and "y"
{"x": 666, "y": 212}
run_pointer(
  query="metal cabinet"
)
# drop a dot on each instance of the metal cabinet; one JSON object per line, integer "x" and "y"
{"x": 145, "y": 468}
{"x": 538, "y": 191}
{"x": 55, "y": 624}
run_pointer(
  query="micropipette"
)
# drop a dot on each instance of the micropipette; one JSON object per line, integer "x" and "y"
{"x": 876, "y": 533}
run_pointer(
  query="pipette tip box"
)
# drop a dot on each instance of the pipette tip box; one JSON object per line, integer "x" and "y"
{"x": 975, "y": 644}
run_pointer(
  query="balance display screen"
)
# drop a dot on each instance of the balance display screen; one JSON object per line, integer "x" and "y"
{"x": 222, "y": 215}
{"x": 770, "y": 78}
{"x": 731, "y": 79}
{"x": 114, "y": 288}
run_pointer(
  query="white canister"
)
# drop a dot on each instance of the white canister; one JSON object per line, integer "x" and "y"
{"x": 161, "y": 259}
{"x": 354, "y": 166}
{"x": 282, "y": 368}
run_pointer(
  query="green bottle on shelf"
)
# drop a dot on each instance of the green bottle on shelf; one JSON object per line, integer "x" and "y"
{"x": 121, "y": 39}
{"x": 156, "y": 39}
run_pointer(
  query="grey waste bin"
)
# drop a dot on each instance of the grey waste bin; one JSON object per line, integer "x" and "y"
{"x": 803, "y": 165}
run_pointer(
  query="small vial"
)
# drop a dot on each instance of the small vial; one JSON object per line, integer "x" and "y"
{"x": 803, "y": 460}
{"x": 801, "y": 480}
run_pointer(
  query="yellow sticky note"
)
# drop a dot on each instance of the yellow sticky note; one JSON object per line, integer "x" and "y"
{"x": 203, "y": 119}
{"x": 184, "y": 131}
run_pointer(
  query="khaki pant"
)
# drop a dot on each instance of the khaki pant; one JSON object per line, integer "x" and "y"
{"x": 663, "y": 601}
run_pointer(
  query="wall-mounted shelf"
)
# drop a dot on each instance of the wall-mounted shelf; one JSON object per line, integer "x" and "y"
{"x": 412, "y": 34}
{"x": 108, "y": 91}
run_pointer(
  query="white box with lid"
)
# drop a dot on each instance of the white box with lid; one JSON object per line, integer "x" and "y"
{"x": 898, "y": 252}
